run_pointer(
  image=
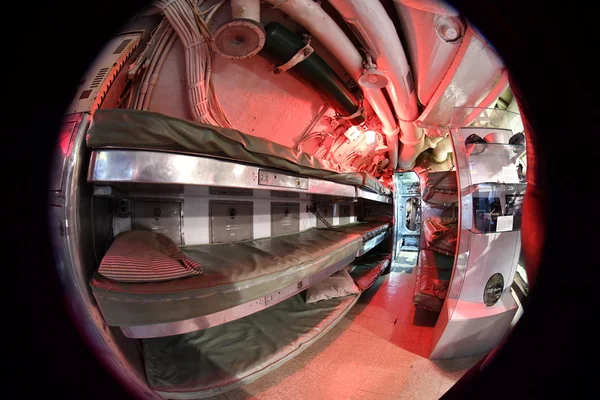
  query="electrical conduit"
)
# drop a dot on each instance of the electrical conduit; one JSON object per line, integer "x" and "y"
{"x": 182, "y": 16}
{"x": 155, "y": 72}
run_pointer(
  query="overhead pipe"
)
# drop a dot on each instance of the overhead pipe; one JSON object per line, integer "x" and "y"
{"x": 442, "y": 166}
{"x": 410, "y": 148}
{"x": 433, "y": 6}
{"x": 388, "y": 123}
{"x": 441, "y": 149}
{"x": 409, "y": 151}
{"x": 372, "y": 22}
{"x": 426, "y": 161}
{"x": 432, "y": 141}
{"x": 378, "y": 34}
{"x": 282, "y": 45}
{"x": 372, "y": 81}
{"x": 312, "y": 17}
{"x": 243, "y": 36}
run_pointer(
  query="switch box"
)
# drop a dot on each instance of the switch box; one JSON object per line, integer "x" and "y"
{"x": 158, "y": 216}
{"x": 327, "y": 213}
{"x": 285, "y": 218}
{"x": 230, "y": 221}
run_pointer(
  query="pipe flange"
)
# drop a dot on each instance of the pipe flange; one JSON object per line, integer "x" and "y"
{"x": 238, "y": 39}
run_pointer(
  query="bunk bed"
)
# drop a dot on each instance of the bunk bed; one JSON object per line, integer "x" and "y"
{"x": 130, "y": 146}
{"x": 441, "y": 234}
{"x": 433, "y": 277}
{"x": 225, "y": 357}
{"x": 215, "y": 360}
{"x": 367, "y": 269}
{"x": 235, "y": 280}
{"x": 438, "y": 189}
{"x": 210, "y": 331}
{"x": 439, "y": 195}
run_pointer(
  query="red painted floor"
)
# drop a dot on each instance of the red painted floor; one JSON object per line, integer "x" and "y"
{"x": 378, "y": 351}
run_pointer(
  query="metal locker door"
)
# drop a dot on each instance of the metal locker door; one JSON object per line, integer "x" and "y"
{"x": 158, "y": 216}
{"x": 285, "y": 218}
{"x": 230, "y": 221}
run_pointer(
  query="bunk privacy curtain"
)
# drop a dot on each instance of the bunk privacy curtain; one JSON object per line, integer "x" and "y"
{"x": 149, "y": 130}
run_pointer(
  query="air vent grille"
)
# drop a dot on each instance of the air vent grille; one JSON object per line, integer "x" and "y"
{"x": 122, "y": 46}
{"x": 99, "y": 78}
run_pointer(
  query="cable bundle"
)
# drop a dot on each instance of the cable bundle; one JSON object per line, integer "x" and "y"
{"x": 159, "y": 46}
{"x": 183, "y": 20}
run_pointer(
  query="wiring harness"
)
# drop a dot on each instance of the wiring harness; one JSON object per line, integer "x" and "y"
{"x": 182, "y": 20}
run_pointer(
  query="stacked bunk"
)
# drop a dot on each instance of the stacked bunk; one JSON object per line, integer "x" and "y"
{"x": 439, "y": 198}
{"x": 367, "y": 269}
{"x": 440, "y": 234}
{"x": 222, "y": 358}
{"x": 233, "y": 276}
{"x": 212, "y": 317}
{"x": 225, "y": 357}
{"x": 131, "y": 145}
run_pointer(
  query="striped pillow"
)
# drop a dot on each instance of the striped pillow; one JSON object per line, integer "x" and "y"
{"x": 144, "y": 256}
